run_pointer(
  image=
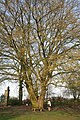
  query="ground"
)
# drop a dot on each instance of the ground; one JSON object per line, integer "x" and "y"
{"x": 25, "y": 113}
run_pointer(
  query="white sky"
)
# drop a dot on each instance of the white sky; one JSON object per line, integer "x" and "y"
{"x": 14, "y": 88}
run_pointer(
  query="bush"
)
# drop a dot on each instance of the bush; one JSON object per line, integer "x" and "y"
{"x": 14, "y": 101}
{"x": 27, "y": 102}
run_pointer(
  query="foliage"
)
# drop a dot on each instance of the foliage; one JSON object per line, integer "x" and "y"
{"x": 14, "y": 101}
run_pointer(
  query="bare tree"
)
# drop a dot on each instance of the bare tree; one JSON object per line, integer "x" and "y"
{"x": 72, "y": 79}
{"x": 37, "y": 35}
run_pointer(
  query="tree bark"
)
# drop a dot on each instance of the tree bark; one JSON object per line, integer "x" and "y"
{"x": 8, "y": 91}
{"x": 20, "y": 92}
{"x": 33, "y": 97}
{"x": 37, "y": 102}
{"x": 41, "y": 98}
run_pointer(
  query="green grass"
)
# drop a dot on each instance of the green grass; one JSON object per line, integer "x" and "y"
{"x": 15, "y": 114}
{"x": 47, "y": 116}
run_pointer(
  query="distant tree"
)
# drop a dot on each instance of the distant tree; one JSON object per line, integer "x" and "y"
{"x": 35, "y": 37}
{"x": 72, "y": 80}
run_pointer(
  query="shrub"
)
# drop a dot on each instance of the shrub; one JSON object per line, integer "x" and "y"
{"x": 14, "y": 101}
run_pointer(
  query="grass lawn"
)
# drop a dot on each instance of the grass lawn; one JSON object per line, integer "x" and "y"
{"x": 23, "y": 114}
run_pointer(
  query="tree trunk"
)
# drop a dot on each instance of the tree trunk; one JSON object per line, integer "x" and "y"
{"x": 41, "y": 98}
{"x": 78, "y": 96}
{"x": 37, "y": 102}
{"x": 33, "y": 97}
{"x": 20, "y": 92}
{"x": 8, "y": 91}
{"x": 40, "y": 103}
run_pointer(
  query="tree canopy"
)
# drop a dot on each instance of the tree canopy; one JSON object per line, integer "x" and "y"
{"x": 38, "y": 41}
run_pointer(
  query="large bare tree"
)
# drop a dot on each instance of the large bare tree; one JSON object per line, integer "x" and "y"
{"x": 37, "y": 36}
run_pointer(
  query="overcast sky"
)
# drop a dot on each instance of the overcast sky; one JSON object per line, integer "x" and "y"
{"x": 14, "y": 88}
